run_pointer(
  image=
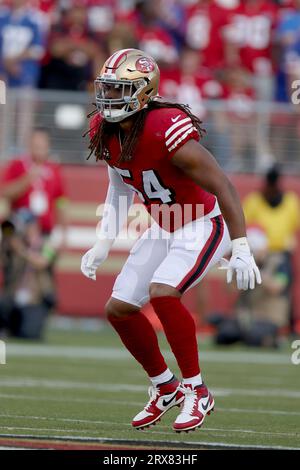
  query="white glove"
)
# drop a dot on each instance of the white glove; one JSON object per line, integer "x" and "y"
{"x": 93, "y": 258}
{"x": 243, "y": 263}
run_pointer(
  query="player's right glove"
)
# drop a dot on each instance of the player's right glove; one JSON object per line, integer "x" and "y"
{"x": 93, "y": 258}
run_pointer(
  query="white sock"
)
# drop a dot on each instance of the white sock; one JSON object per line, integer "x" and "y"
{"x": 193, "y": 381}
{"x": 162, "y": 378}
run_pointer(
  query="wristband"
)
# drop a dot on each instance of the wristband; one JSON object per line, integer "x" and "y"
{"x": 240, "y": 244}
{"x": 104, "y": 243}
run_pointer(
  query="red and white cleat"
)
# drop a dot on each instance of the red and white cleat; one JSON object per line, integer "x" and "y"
{"x": 198, "y": 402}
{"x": 162, "y": 399}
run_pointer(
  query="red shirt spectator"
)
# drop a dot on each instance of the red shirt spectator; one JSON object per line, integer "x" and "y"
{"x": 151, "y": 35}
{"x": 239, "y": 95}
{"x": 74, "y": 53}
{"x": 204, "y": 30}
{"x": 34, "y": 182}
{"x": 158, "y": 43}
{"x": 251, "y": 31}
{"x": 101, "y": 15}
{"x": 47, "y": 6}
{"x": 192, "y": 83}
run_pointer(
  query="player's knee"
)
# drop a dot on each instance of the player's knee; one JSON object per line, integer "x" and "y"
{"x": 162, "y": 290}
{"x": 118, "y": 309}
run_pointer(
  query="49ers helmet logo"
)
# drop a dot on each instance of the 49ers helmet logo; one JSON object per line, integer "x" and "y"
{"x": 144, "y": 65}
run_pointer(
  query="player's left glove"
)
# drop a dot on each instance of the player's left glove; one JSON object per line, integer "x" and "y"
{"x": 243, "y": 264}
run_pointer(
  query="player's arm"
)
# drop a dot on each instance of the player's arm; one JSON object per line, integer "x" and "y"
{"x": 197, "y": 163}
{"x": 117, "y": 203}
{"x": 37, "y": 260}
{"x": 13, "y": 188}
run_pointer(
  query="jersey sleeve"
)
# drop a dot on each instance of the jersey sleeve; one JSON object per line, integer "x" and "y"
{"x": 118, "y": 200}
{"x": 14, "y": 170}
{"x": 177, "y": 130}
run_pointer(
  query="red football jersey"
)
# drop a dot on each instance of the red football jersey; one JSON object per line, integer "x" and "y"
{"x": 44, "y": 190}
{"x": 151, "y": 173}
{"x": 204, "y": 31}
{"x": 252, "y": 29}
{"x": 190, "y": 88}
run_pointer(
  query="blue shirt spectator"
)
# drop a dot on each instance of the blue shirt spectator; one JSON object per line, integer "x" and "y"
{"x": 21, "y": 44}
{"x": 289, "y": 31}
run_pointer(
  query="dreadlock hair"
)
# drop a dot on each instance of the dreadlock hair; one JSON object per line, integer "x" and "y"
{"x": 98, "y": 143}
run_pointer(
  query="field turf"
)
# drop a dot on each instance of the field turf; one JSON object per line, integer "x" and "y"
{"x": 81, "y": 389}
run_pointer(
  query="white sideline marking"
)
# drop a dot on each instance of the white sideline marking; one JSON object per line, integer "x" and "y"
{"x": 22, "y": 350}
{"x": 62, "y": 384}
{"x": 262, "y": 412}
{"x": 26, "y": 428}
{"x": 73, "y": 400}
{"x": 14, "y": 448}
{"x": 140, "y": 403}
{"x": 103, "y": 440}
{"x": 30, "y": 382}
{"x": 109, "y": 423}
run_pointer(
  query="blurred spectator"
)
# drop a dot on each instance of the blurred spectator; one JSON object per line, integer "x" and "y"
{"x": 191, "y": 83}
{"x": 74, "y": 52}
{"x": 285, "y": 6}
{"x": 238, "y": 120}
{"x": 259, "y": 314}
{"x": 278, "y": 212}
{"x": 250, "y": 42}
{"x": 27, "y": 294}
{"x": 275, "y": 210}
{"x": 34, "y": 182}
{"x": 173, "y": 18}
{"x": 21, "y": 44}
{"x": 206, "y": 21}
{"x": 289, "y": 37}
{"x": 152, "y": 35}
{"x": 121, "y": 37}
{"x": 101, "y": 15}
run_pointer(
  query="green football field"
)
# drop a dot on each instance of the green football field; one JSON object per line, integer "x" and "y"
{"x": 83, "y": 388}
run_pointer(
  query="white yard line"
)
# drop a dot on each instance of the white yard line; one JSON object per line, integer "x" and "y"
{"x": 262, "y": 412}
{"x": 135, "y": 404}
{"x": 88, "y": 421}
{"x": 70, "y": 352}
{"x": 27, "y": 428}
{"x": 31, "y": 382}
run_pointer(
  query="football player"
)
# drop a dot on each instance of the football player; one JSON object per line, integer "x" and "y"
{"x": 152, "y": 148}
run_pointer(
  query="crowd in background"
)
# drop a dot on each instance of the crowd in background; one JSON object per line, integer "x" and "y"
{"x": 219, "y": 48}
{"x": 238, "y": 51}
{"x": 34, "y": 191}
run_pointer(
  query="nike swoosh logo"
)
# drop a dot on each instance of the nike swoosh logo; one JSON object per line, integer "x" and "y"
{"x": 204, "y": 407}
{"x": 175, "y": 119}
{"x": 167, "y": 402}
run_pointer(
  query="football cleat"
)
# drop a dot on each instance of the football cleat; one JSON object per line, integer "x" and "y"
{"x": 162, "y": 398}
{"x": 198, "y": 402}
